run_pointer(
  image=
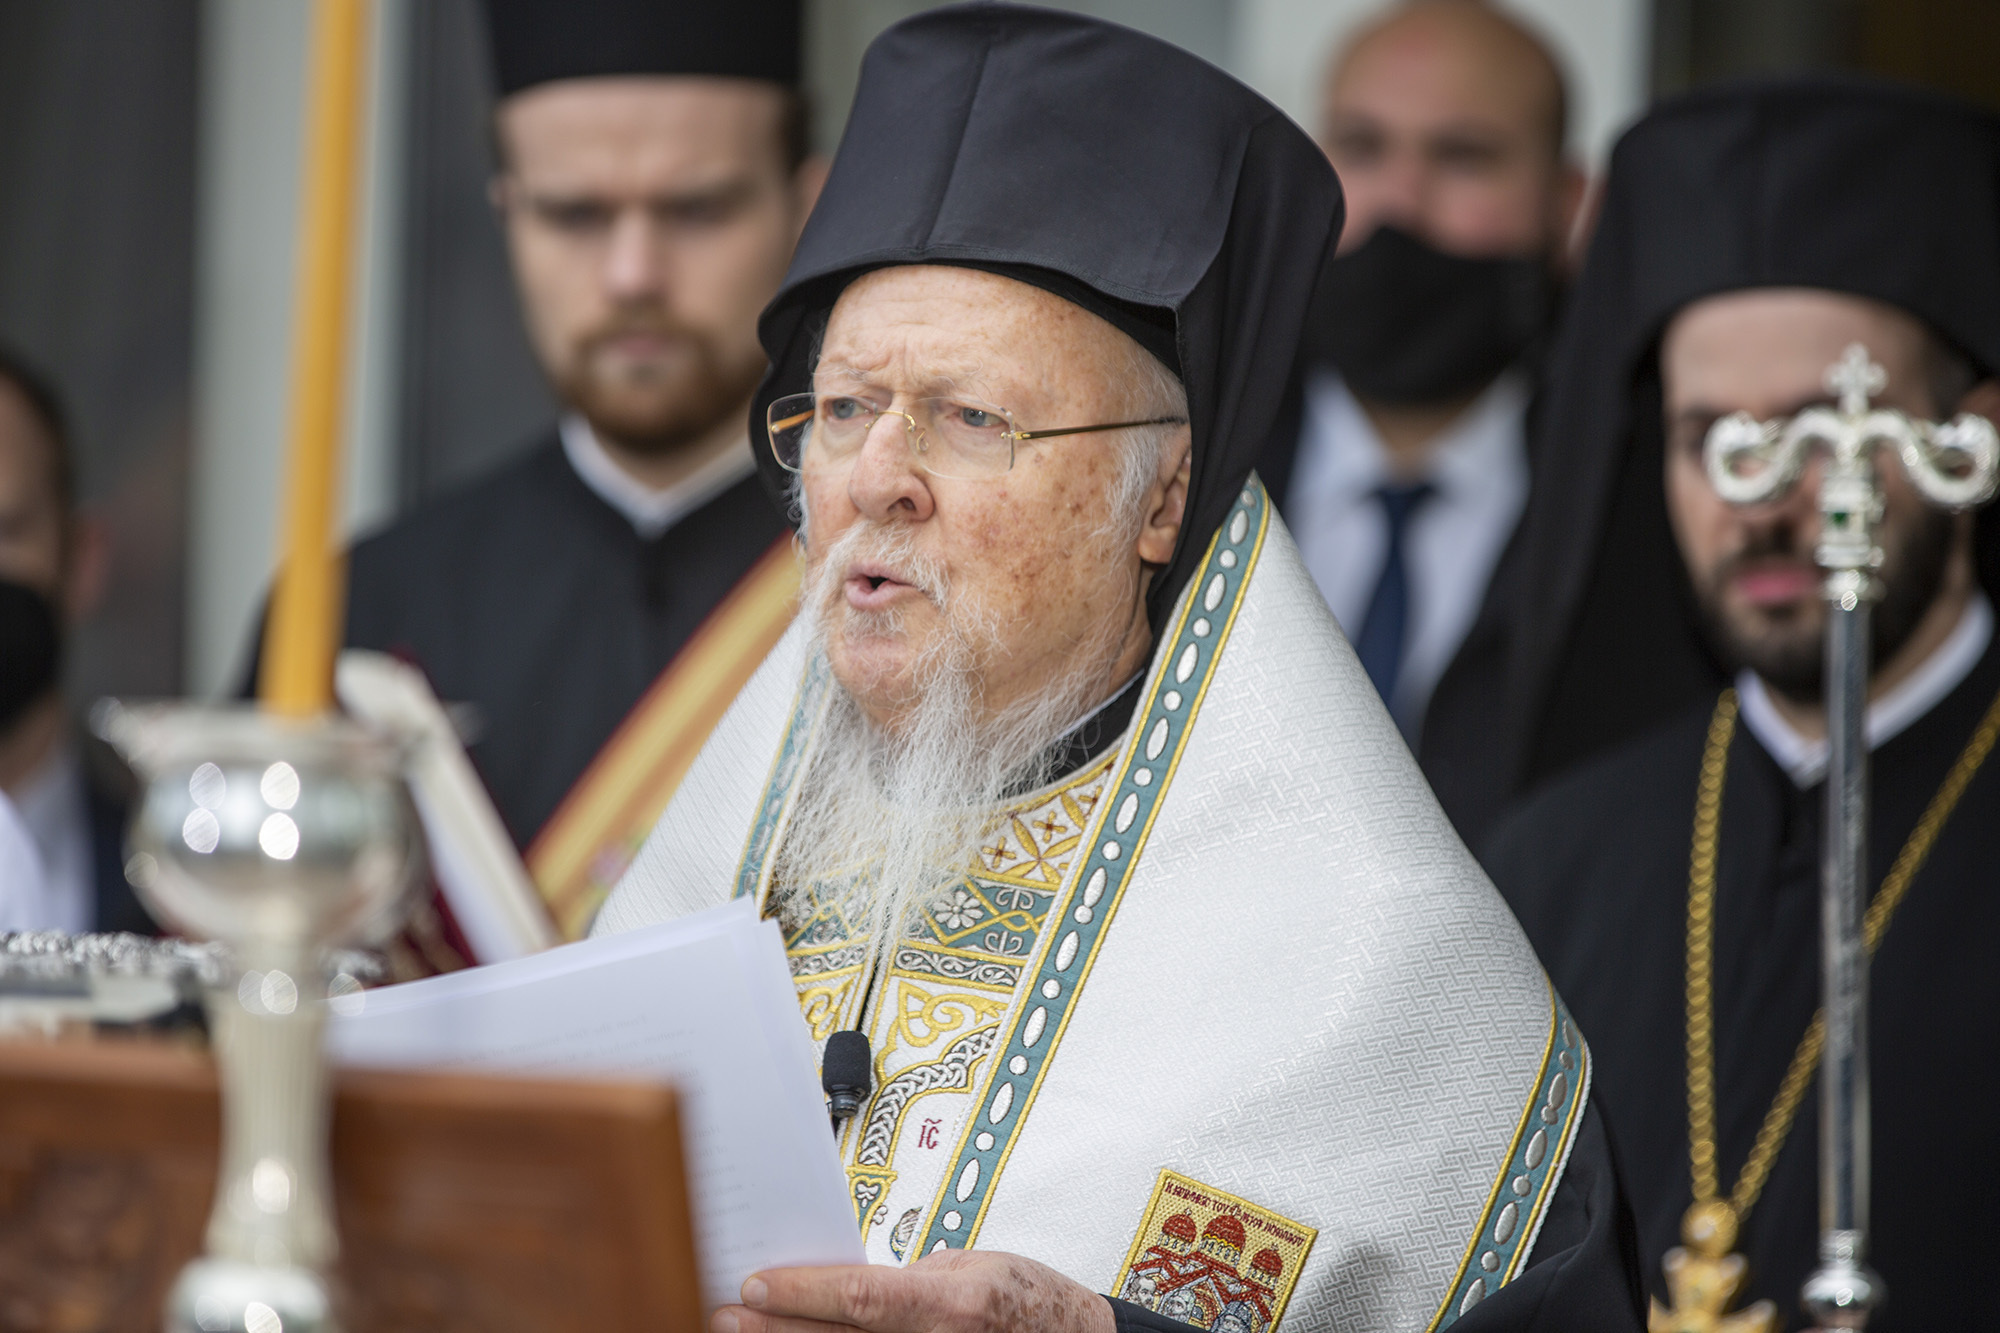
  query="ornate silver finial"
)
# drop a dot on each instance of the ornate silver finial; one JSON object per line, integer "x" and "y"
{"x": 1955, "y": 465}
{"x": 1856, "y": 378}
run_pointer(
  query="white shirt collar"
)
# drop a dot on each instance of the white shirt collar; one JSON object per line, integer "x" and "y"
{"x": 1917, "y": 693}
{"x": 1477, "y": 444}
{"x": 50, "y": 805}
{"x": 650, "y": 512}
{"x": 22, "y": 883}
{"x": 1479, "y": 470}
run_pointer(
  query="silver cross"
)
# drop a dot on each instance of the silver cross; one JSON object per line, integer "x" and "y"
{"x": 1955, "y": 465}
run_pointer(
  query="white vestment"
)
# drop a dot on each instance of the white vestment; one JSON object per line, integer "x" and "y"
{"x": 1230, "y": 1023}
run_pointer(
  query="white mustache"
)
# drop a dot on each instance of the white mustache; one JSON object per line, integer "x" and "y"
{"x": 890, "y": 547}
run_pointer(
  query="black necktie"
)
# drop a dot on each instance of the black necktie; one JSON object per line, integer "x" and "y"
{"x": 1385, "y": 627}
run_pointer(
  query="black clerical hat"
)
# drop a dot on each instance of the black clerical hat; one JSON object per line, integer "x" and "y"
{"x": 1114, "y": 169}
{"x": 1839, "y": 183}
{"x": 541, "y": 41}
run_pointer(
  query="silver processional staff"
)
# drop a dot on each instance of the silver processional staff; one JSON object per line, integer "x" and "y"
{"x": 1954, "y": 465}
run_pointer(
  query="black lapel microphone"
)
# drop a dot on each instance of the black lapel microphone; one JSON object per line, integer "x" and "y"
{"x": 844, "y": 1074}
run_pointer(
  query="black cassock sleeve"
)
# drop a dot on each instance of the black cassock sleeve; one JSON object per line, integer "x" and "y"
{"x": 1585, "y": 1273}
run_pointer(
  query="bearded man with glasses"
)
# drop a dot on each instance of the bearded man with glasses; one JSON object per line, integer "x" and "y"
{"x": 1069, "y": 795}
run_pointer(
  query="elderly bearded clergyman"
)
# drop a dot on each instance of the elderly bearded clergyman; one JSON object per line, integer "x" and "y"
{"x": 1068, "y": 792}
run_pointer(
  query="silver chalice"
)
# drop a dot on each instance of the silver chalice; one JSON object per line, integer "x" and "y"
{"x": 280, "y": 839}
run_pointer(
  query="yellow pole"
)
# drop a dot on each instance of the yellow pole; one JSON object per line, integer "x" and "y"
{"x": 307, "y": 605}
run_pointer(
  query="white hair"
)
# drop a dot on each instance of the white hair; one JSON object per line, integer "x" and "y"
{"x": 886, "y": 820}
{"x": 1157, "y": 392}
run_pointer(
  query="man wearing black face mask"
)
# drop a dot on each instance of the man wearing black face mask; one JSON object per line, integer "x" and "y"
{"x": 70, "y": 796}
{"x": 1407, "y": 470}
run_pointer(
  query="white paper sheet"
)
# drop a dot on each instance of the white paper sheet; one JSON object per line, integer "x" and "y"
{"x": 706, "y": 1003}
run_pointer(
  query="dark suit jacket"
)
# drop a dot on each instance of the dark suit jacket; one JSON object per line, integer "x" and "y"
{"x": 1458, "y": 740}
{"x": 110, "y": 790}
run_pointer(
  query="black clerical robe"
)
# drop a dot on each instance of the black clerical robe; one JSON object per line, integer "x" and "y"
{"x": 1596, "y": 867}
{"x": 528, "y": 597}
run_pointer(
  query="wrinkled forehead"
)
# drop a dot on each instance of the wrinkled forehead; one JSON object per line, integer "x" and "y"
{"x": 930, "y": 328}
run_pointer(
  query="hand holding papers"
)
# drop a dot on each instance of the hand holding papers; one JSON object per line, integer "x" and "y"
{"x": 706, "y": 1002}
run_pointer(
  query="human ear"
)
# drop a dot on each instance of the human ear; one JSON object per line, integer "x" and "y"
{"x": 1166, "y": 501}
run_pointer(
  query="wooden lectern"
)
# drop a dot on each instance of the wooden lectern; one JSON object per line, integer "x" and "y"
{"x": 465, "y": 1202}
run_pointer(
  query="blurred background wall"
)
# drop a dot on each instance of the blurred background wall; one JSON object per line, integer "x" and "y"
{"x": 148, "y": 194}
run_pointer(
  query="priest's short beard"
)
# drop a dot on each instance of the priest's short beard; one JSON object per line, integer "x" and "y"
{"x": 1791, "y": 658}
{"x": 887, "y": 823}
{"x": 661, "y": 410}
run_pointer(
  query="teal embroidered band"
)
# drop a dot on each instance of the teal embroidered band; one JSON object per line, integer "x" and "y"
{"x": 1116, "y": 838}
{"x": 1528, "y": 1174}
{"x": 778, "y": 787}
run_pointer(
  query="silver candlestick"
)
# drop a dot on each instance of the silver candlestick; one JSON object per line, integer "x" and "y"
{"x": 1955, "y": 466}
{"x": 279, "y": 839}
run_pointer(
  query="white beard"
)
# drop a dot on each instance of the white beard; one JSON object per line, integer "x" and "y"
{"x": 887, "y": 823}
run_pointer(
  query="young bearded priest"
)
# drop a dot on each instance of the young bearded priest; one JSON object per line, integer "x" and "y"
{"x": 1066, "y": 789}
{"x": 596, "y": 600}
{"x": 1672, "y": 884}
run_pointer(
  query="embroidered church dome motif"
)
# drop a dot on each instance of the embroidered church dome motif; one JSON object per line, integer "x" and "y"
{"x": 1223, "y": 1238}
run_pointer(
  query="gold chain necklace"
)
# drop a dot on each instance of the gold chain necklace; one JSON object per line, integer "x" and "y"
{"x": 1703, "y": 1274}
